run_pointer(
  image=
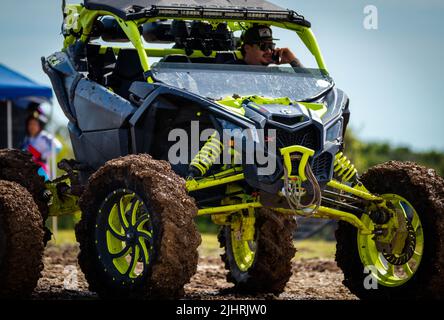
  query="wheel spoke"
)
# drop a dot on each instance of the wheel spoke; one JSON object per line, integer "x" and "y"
{"x": 410, "y": 213}
{"x": 134, "y": 208}
{"x": 416, "y": 255}
{"x": 145, "y": 235}
{"x": 122, "y": 218}
{"x": 397, "y": 204}
{"x": 120, "y": 254}
{"x": 141, "y": 220}
{"x": 144, "y": 252}
{"x": 111, "y": 223}
{"x": 134, "y": 259}
{"x": 415, "y": 222}
{"x": 407, "y": 269}
{"x": 390, "y": 269}
{"x": 116, "y": 235}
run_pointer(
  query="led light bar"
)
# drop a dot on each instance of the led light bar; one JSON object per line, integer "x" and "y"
{"x": 256, "y": 15}
{"x": 192, "y": 13}
{"x": 168, "y": 12}
{"x": 237, "y": 14}
{"x": 215, "y": 13}
{"x": 277, "y": 16}
{"x": 241, "y": 13}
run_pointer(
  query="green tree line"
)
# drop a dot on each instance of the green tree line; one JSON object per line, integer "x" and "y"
{"x": 367, "y": 154}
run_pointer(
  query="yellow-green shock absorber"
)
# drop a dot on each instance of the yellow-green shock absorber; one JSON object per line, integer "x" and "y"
{"x": 343, "y": 168}
{"x": 206, "y": 156}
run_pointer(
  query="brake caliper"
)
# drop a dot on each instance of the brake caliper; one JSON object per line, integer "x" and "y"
{"x": 392, "y": 229}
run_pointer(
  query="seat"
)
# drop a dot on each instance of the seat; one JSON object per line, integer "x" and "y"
{"x": 224, "y": 57}
{"x": 99, "y": 64}
{"x": 127, "y": 70}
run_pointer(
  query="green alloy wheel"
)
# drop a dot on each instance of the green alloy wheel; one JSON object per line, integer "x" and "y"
{"x": 415, "y": 194}
{"x": 124, "y": 236}
{"x": 393, "y": 270}
{"x": 244, "y": 252}
{"x": 137, "y": 234}
{"x": 262, "y": 265}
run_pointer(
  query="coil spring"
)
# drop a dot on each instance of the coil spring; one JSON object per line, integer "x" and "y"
{"x": 207, "y": 155}
{"x": 344, "y": 168}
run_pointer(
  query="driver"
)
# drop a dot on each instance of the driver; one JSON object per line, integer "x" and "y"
{"x": 258, "y": 48}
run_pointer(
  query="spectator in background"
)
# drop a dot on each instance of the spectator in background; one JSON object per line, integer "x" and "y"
{"x": 40, "y": 143}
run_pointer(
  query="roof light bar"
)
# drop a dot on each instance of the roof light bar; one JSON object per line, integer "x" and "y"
{"x": 242, "y": 13}
{"x": 168, "y": 12}
{"x": 256, "y": 15}
{"x": 214, "y": 13}
{"x": 237, "y": 14}
{"x": 192, "y": 13}
{"x": 277, "y": 16}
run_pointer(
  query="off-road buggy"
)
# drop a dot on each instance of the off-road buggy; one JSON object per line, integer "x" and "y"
{"x": 137, "y": 233}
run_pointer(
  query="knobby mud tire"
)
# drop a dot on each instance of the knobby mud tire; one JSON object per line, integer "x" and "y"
{"x": 272, "y": 267}
{"x": 424, "y": 189}
{"x": 176, "y": 257}
{"x": 21, "y": 241}
{"x": 17, "y": 166}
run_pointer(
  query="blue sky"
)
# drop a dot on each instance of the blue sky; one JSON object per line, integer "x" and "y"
{"x": 393, "y": 75}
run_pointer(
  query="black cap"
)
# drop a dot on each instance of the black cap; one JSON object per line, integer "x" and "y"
{"x": 258, "y": 34}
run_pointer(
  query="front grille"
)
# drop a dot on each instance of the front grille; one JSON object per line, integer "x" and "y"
{"x": 307, "y": 137}
{"x": 322, "y": 165}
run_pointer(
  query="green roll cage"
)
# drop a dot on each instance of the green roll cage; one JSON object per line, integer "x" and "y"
{"x": 79, "y": 22}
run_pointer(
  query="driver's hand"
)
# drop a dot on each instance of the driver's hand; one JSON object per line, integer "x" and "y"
{"x": 285, "y": 55}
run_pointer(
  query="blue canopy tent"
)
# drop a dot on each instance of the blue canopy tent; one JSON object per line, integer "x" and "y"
{"x": 17, "y": 91}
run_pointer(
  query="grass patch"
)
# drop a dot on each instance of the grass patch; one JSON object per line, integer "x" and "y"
{"x": 310, "y": 249}
{"x": 63, "y": 237}
{"x": 209, "y": 246}
{"x": 306, "y": 249}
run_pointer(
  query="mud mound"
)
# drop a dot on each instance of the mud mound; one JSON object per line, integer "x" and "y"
{"x": 17, "y": 166}
{"x": 21, "y": 241}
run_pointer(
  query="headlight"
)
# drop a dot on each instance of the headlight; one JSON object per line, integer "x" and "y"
{"x": 334, "y": 132}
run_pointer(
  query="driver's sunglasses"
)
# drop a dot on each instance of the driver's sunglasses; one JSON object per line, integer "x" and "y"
{"x": 264, "y": 46}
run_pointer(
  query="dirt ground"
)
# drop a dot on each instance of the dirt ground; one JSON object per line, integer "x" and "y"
{"x": 312, "y": 279}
